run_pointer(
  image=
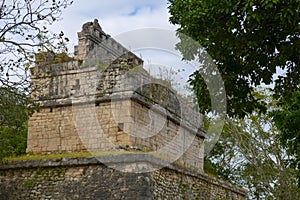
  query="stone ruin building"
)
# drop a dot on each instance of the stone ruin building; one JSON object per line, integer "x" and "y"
{"x": 103, "y": 99}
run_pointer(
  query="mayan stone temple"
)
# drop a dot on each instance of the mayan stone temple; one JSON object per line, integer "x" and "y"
{"x": 102, "y": 100}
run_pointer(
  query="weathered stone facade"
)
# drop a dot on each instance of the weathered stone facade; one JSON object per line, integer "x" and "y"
{"x": 103, "y": 99}
{"x": 88, "y": 178}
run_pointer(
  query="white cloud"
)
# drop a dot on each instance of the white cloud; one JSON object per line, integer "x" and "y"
{"x": 115, "y": 16}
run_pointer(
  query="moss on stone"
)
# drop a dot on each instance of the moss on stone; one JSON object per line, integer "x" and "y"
{"x": 52, "y": 58}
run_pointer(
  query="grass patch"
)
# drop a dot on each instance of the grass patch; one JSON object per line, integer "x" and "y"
{"x": 47, "y": 156}
{"x": 73, "y": 155}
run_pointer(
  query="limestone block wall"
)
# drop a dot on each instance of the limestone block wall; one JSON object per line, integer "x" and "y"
{"x": 99, "y": 63}
{"x": 76, "y": 81}
{"x": 56, "y": 83}
{"x": 88, "y": 178}
{"x": 189, "y": 185}
{"x": 162, "y": 134}
{"x": 108, "y": 125}
{"x": 72, "y": 182}
{"x": 74, "y": 128}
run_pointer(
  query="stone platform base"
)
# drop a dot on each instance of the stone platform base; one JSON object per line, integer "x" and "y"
{"x": 125, "y": 176}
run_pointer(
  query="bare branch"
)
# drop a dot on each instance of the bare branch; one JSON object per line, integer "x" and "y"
{"x": 23, "y": 34}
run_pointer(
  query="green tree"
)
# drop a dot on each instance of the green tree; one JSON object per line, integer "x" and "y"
{"x": 249, "y": 154}
{"x": 249, "y": 41}
{"x": 13, "y": 142}
{"x": 253, "y": 43}
{"x": 15, "y": 108}
{"x": 15, "y": 111}
{"x": 287, "y": 120}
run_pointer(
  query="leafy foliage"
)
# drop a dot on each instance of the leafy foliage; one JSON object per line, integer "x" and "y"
{"x": 253, "y": 43}
{"x": 288, "y": 122}
{"x": 13, "y": 142}
{"x": 13, "y": 122}
{"x": 249, "y": 154}
{"x": 249, "y": 41}
{"x": 15, "y": 108}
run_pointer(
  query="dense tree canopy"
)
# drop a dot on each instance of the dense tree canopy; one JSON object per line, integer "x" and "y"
{"x": 250, "y": 42}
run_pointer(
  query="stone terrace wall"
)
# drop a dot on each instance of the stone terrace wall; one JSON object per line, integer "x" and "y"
{"x": 87, "y": 178}
{"x": 160, "y": 133}
{"x": 72, "y": 182}
{"x": 172, "y": 184}
{"x": 72, "y": 128}
{"x": 110, "y": 125}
